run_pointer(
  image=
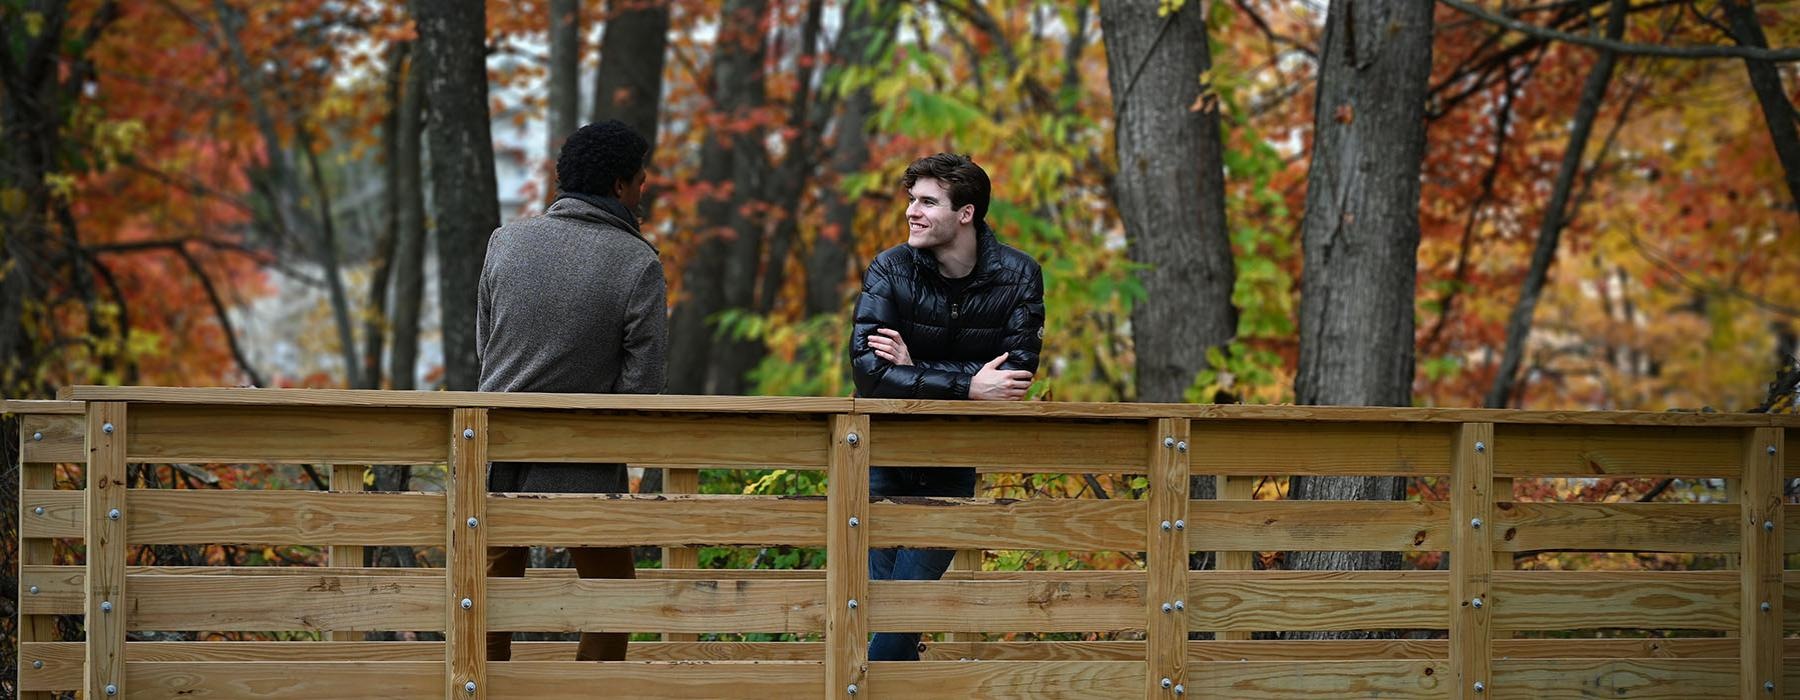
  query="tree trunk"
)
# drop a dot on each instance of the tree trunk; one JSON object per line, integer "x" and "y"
{"x": 628, "y": 86}
{"x": 732, "y": 358}
{"x": 807, "y": 112}
{"x": 1361, "y": 232}
{"x": 1765, "y": 80}
{"x": 867, "y": 34}
{"x": 736, "y": 85}
{"x": 1556, "y": 215}
{"x": 375, "y": 327}
{"x": 1171, "y": 191}
{"x": 565, "y": 79}
{"x": 409, "y": 242}
{"x": 452, "y": 42}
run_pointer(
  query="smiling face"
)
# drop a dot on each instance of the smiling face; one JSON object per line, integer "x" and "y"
{"x": 932, "y": 222}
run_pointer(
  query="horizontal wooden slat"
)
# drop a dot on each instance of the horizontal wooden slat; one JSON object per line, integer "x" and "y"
{"x": 1536, "y": 451}
{"x": 1282, "y": 680}
{"x": 739, "y": 440}
{"x": 1013, "y": 444}
{"x": 600, "y": 605}
{"x": 227, "y": 396}
{"x": 43, "y": 407}
{"x": 1317, "y": 414}
{"x": 283, "y": 517}
{"x": 1330, "y": 526}
{"x": 283, "y": 598}
{"x": 1317, "y": 600}
{"x": 981, "y": 523}
{"x": 1062, "y": 680}
{"x": 308, "y": 680}
{"x": 53, "y": 438}
{"x": 746, "y": 680}
{"x": 287, "y": 435}
{"x": 64, "y": 515}
{"x": 1005, "y": 606}
{"x": 1616, "y": 527}
{"x": 1248, "y": 448}
{"x": 1556, "y": 600}
{"x": 1572, "y": 679}
{"x": 660, "y": 520}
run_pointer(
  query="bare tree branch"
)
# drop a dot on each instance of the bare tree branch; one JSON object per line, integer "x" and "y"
{"x": 1624, "y": 47}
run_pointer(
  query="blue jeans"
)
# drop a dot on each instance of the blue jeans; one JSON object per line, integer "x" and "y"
{"x": 895, "y": 564}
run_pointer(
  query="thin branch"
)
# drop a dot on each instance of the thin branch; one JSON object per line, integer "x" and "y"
{"x": 1624, "y": 47}
{"x": 212, "y": 294}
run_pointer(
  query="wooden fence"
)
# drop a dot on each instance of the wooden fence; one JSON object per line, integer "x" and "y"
{"x": 1726, "y": 626}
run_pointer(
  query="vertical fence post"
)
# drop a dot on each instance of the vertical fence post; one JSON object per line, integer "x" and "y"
{"x": 1166, "y": 560}
{"x": 346, "y": 478}
{"x": 1472, "y": 559}
{"x": 33, "y": 476}
{"x": 1760, "y": 565}
{"x": 1233, "y": 488}
{"x": 847, "y": 558}
{"x": 680, "y": 481}
{"x": 465, "y": 557}
{"x": 106, "y": 602}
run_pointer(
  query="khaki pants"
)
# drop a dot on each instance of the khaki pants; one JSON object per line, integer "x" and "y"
{"x": 590, "y": 562}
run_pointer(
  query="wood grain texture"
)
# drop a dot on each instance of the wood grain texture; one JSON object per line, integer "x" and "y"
{"x": 1207, "y": 413}
{"x": 1062, "y": 680}
{"x": 1557, "y": 600}
{"x": 745, "y": 680}
{"x": 656, "y": 520}
{"x": 1616, "y": 527}
{"x": 1281, "y": 680}
{"x": 300, "y": 680}
{"x": 1472, "y": 559}
{"x": 465, "y": 556}
{"x": 984, "y": 523}
{"x": 297, "y": 601}
{"x": 847, "y": 528}
{"x": 1538, "y": 451}
{"x": 287, "y": 435}
{"x": 52, "y": 438}
{"x": 105, "y": 586}
{"x": 603, "y": 605}
{"x": 346, "y": 478}
{"x": 1661, "y": 679}
{"x": 43, "y": 407}
{"x": 1012, "y": 444}
{"x": 676, "y": 482}
{"x": 188, "y": 516}
{"x": 1166, "y": 555}
{"x": 36, "y": 552}
{"x": 1256, "y": 448}
{"x": 1004, "y": 606}
{"x": 1760, "y": 520}
{"x": 1338, "y": 526}
{"x": 701, "y": 439}
{"x": 64, "y": 516}
{"x": 1317, "y": 600}
{"x": 226, "y": 396}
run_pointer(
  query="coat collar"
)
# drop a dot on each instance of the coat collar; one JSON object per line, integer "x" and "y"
{"x": 987, "y": 255}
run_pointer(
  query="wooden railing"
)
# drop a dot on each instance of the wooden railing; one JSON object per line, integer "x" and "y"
{"x": 1727, "y": 625}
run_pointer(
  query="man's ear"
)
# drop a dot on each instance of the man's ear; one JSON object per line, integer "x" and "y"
{"x": 966, "y": 214}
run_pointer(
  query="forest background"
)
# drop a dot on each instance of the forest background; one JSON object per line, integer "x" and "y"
{"x": 1548, "y": 204}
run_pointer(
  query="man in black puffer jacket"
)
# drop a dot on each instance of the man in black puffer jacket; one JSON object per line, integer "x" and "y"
{"x": 953, "y": 313}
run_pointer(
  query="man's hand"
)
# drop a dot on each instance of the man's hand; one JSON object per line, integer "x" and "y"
{"x": 888, "y": 345}
{"x": 995, "y": 384}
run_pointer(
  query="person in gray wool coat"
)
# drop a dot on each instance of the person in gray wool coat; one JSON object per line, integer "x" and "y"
{"x": 574, "y": 301}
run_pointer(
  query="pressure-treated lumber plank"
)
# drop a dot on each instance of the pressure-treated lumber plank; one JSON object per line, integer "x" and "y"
{"x": 1616, "y": 527}
{"x": 1315, "y": 414}
{"x": 741, "y": 680}
{"x": 1535, "y": 451}
{"x": 1215, "y": 528}
{"x": 287, "y": 435}
{"x": 1760, "y": 563}
{"x": 1555, "y": 600}
{"x": 106, "y": 604}
{"x": 52, "y": 438}
{"x": 1016, "y": 445}
{"x": 679, "y": 481}
{"x": 613, "y": 605}
{"x": 43, "y": 407}
{"x": 1471, "y": 559}
{"x": 285, "y": 517}
{"x": 1166, "y": 555}
{"x": 297, "y": 601}
{"x": 984, "y": 523}
{"x": 1241, "y": 526}
{"x": 1005, "y": 606}
{"x": 1317, "y": 600}
{"x": 610, "y": 520}
{"x": 346, "y": 478}
{"x": 1283, "y": 680}
{"x": 1659, "y": 679}
{"x": 465, "y": 557}
{"x": 699, "y": 439}
{"x": 64, "y": 513}
{"x": 307, "y": 680}
{"x": 366, "y": 398}
{"x": 847, "y": 600}
{"x": 1256, "y": 448}
{"x": 1059, "y": 680}
{"x": 36, "y": 551}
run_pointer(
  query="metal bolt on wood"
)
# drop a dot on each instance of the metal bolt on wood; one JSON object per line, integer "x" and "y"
{"x": 37, "y": 437}
{"x": 468, "y": 433}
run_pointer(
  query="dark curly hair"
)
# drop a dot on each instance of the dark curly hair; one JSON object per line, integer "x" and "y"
{"x": 596, "y": 157}
{"x": 967, "y": 182}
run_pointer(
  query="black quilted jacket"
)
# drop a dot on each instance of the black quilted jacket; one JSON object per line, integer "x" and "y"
{"x": 950, "y": 338}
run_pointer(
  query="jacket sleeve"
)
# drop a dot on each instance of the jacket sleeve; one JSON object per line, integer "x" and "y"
{"x": 1025, "y": 325}
{"x": 877, "y": 378}
{"x": 646, "y": 337}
